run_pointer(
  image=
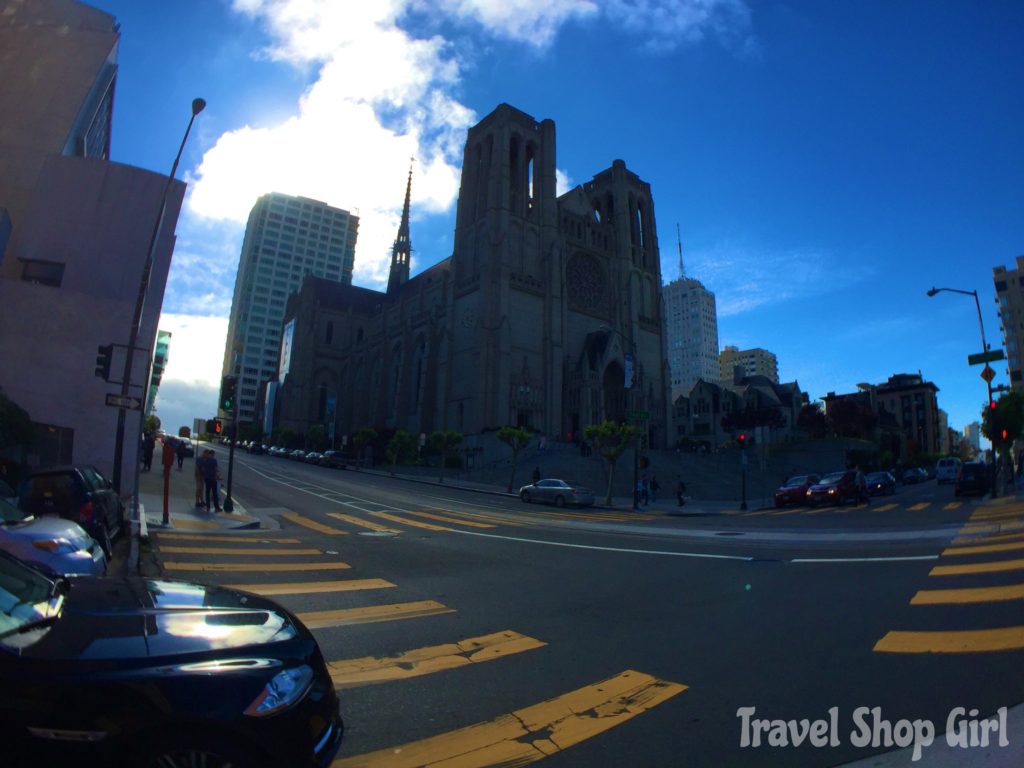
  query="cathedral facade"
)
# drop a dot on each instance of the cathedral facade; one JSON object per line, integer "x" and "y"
{"x": 547, "y": 314}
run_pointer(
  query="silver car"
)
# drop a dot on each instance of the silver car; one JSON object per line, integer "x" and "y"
{"x": 58, "y": 546}
{"x": 557, "y": 492}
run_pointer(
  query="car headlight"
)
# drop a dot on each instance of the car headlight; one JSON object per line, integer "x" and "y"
{"x": 831, "y": 490}
{"x": 283, "y": 690}
{"x": 55, "y": 546}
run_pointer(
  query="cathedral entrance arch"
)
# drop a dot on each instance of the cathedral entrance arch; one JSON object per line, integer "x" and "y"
{"x": 613, "y": 392}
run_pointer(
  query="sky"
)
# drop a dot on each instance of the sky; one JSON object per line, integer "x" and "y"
{"x": 826, "y": 163}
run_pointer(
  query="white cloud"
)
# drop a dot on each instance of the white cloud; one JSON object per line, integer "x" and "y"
{"x": 196, "y": 353}
{"x": 528, "y": 21}
{"x": 667, "y": 24}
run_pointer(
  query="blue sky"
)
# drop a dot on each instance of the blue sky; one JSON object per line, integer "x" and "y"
{"x": 827, "y": 163}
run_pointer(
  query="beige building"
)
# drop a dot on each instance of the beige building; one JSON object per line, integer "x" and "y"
{"x": 1009, "y": 284}
{"x": 752, "y": 362}
{"x": 547, "y": 314}
{"x": 74, "y": 231}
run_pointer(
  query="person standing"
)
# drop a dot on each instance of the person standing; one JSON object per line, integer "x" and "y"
{"x": 862, "y": 488}
{"x": 148, "y": 444}
{"x": 536, "y": 475}
{"x": 654, "y": 488}
{"x": 179, "y": 451}
{"x": 680, "y": 490}
{"x": 200, "y": 461}
{"x": 211, "y": 474}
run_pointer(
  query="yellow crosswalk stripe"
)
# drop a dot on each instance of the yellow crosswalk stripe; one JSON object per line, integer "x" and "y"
{"x": 954, "y": 641}
{"x": 313, "y": 524}
{"x": 350, "y": 673}
{"x": 335, "y": 566}
{"x": 953, "y": 505}
{"x": 997, "y": 566}
{"x": 194, "y": 525}
{"x": 363, "y": 523}
{"x": 407, "y": 521}
{"x": 532, "y": 733}
{"x": 311, "y": 587}
{"x": 457, "y": 521}
{"x": 971, "y": 595}
{"x": 1008, "y": 546}
{"x": 239, "y": 539}
{"x": 919, "y": 506}
{"x": 886, "y": 507}
{"x": 988, "y": 539}
{"x": 175, "y": 550}
{"x": 373, "y": 614}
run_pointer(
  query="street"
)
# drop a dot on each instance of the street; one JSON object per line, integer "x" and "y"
{"x": 610, "y": 637}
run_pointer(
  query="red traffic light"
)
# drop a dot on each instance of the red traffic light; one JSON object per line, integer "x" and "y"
{"x": 1005, "y": 435}
{"x": 217, "y": 427}
{"x": 742, "y": 438}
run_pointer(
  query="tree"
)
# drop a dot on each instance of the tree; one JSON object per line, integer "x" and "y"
{"x": 316, "y": 437}
{"x": 1004, "y": 424}
{"x": 401, "y": 445}
{"x": 184, "y": 432}
{"x": 363, "y": 436}
{"x": 813, "y": 421}
{"x": 517, "y": 439}
{"x": 151, "y": 424}
{"x": 443, "y": 443}
{"x": 610, "y": 439}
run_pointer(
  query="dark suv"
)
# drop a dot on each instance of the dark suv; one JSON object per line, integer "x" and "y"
{"x": 78, "y": 493}
{"x": 973, "y": 477}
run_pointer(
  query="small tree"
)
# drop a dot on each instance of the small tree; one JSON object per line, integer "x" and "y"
{"x": 401, "y": 445}
{"x": 609, "y": 440}
{"x": 813, "y": 421}
{"x": 517, "y": 439}
{"x": 184, "y": 432}
{"x": 151, "y": 424}
{"x": 363, "y": 437}
{"x": 443, "y": 443}
{"x": 316, "y": 438}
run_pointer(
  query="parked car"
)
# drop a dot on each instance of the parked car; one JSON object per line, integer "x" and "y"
{"x": 915, "y": 475}
{"x": 78, "y": 493}
{"x": 335, "y": 459}
{"x": 313, "y": 457}
{"x": 835, "y": 488}
{"x": 880, "y": 484}
{"x": 56, "y": 546}
{"x": 973, "y": 478}
{"x": 298, "y": 455}
{"x": 557, "y": 492}
{"x": 794, "y": 490}
{"x": 947, "y": 469}
{"x": 143, "y": 672}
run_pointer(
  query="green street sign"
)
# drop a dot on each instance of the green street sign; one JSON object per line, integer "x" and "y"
{"x": 985, "y": 357}
{"x": 638, "y": 415}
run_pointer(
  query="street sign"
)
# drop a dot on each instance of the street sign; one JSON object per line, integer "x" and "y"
{"x": 988, "y": 374}
{"x": 129, "y": 403}
{"x": 991, "y": 356}
{"x": 638, "y": 415}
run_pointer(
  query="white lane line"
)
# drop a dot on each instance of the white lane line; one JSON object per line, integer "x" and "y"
{"x": 895, "y": 559}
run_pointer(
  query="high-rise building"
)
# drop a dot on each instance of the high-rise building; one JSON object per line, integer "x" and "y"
{"x": 753, "y": 362}
{"x": 286, "y": 239}
{"x": 691, "y": 334}
{"x": 160, "y": 355}
{"x": 73, "y": 228}
{"x": 972, "y": 436}
{"x": 1010, "y": 294}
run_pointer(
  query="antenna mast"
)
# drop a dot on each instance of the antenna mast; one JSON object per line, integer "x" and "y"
{"x": 679, "y": 245}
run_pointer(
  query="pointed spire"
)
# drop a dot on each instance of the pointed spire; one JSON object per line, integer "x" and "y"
{"x": 679, "y": 244}
{"x": 402, "y": 249}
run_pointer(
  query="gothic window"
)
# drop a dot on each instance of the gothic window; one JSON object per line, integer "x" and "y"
{"x": 513, "y": 174}
{"x": 585, "y": 280}
{"x": 531, "y": 191}
{"x": 329, "y": 336}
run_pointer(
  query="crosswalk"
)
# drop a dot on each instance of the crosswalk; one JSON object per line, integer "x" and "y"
{"x": 282, "y": 566}
{"x": 921, "y": 506}
{"x": 981, "y": 567}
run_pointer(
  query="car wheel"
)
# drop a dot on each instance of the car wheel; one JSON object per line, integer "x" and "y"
{"x": 559, "y": 501}
{"x": 105, "y": 543}
{"x": 525, "y": 496}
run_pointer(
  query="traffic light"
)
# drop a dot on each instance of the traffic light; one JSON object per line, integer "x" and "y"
{"x": 210, "y": 426}
{"x": 104, "y": 354}
{"x": 158, "y": 370}
{"x": 1005, "y": 434}
{"x": 741, "y": 438}
{"x": 228, "y": 386}
{"x": 218, "y": 427}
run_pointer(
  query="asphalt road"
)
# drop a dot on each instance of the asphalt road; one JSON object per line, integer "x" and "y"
{"x": 612, "y": 638}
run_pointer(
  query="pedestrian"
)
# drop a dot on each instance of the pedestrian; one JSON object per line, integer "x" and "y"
{"x": 179, "y": 451}
{"x": 654, "y": 488}
{"x": 645, "y": 490}
{"x": 211, "y": 474}
{"x": 536, "y": 474}
{"x": 680, "y": 490}
{"x": 148, "y": 444}
{"x": 200, "y": 462}
{"x": 543, "y": 445}
{"x": 862, "y": 488}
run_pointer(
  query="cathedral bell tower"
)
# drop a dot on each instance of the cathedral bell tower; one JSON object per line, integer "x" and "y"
{"x": 402, "y": 248}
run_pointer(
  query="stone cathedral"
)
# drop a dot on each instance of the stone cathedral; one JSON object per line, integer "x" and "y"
{"x": 547, "y": 314}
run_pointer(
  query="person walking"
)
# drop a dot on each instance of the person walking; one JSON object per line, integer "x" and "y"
{"x": 654, "y": 488}
{"x": 680, "y": 490}
{"x": 148, "y": 444}
{"x": 536, "y": 474}
{"x": 200, "y": 461}
{"x": 862, "y": 488}
{"x": 645, "y": 490}
{"x": 211, "y": 474}
{"x": 179, "y": 451}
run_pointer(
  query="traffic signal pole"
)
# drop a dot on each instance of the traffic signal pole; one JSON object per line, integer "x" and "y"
{"x": 229, "y": 504}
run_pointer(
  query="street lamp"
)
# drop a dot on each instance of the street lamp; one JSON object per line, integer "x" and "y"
{"x": 147, "y": 268}
{"x": 984, "y": 344}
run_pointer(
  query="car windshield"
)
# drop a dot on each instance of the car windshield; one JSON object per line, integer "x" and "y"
{"x": 797, "y": 480}
{"x": 26, "y": 597}
{"x": 11, "y": 514}
{"x": 835, "y": 477}
{"x": 876, "y": 477}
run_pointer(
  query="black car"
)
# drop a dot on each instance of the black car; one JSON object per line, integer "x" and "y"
{"x": 139, "y": 672}
{"x": 880, "y": 484}
{"x": 973, "y": 478}
{"x": 78, "y": 493}
{"x": 335, "y": 459}
{"x": 915, "y": 475}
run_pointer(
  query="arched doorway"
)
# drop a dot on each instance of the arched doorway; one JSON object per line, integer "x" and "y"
{"x": 614, "y": 393}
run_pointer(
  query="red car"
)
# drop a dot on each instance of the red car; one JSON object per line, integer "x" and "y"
{"x": 794, "y": 490}
{"x": 835, "y": 488}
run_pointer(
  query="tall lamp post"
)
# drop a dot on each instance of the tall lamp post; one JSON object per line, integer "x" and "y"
{"x": 198, "y": 105}
{"x": 984, "y": 344}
